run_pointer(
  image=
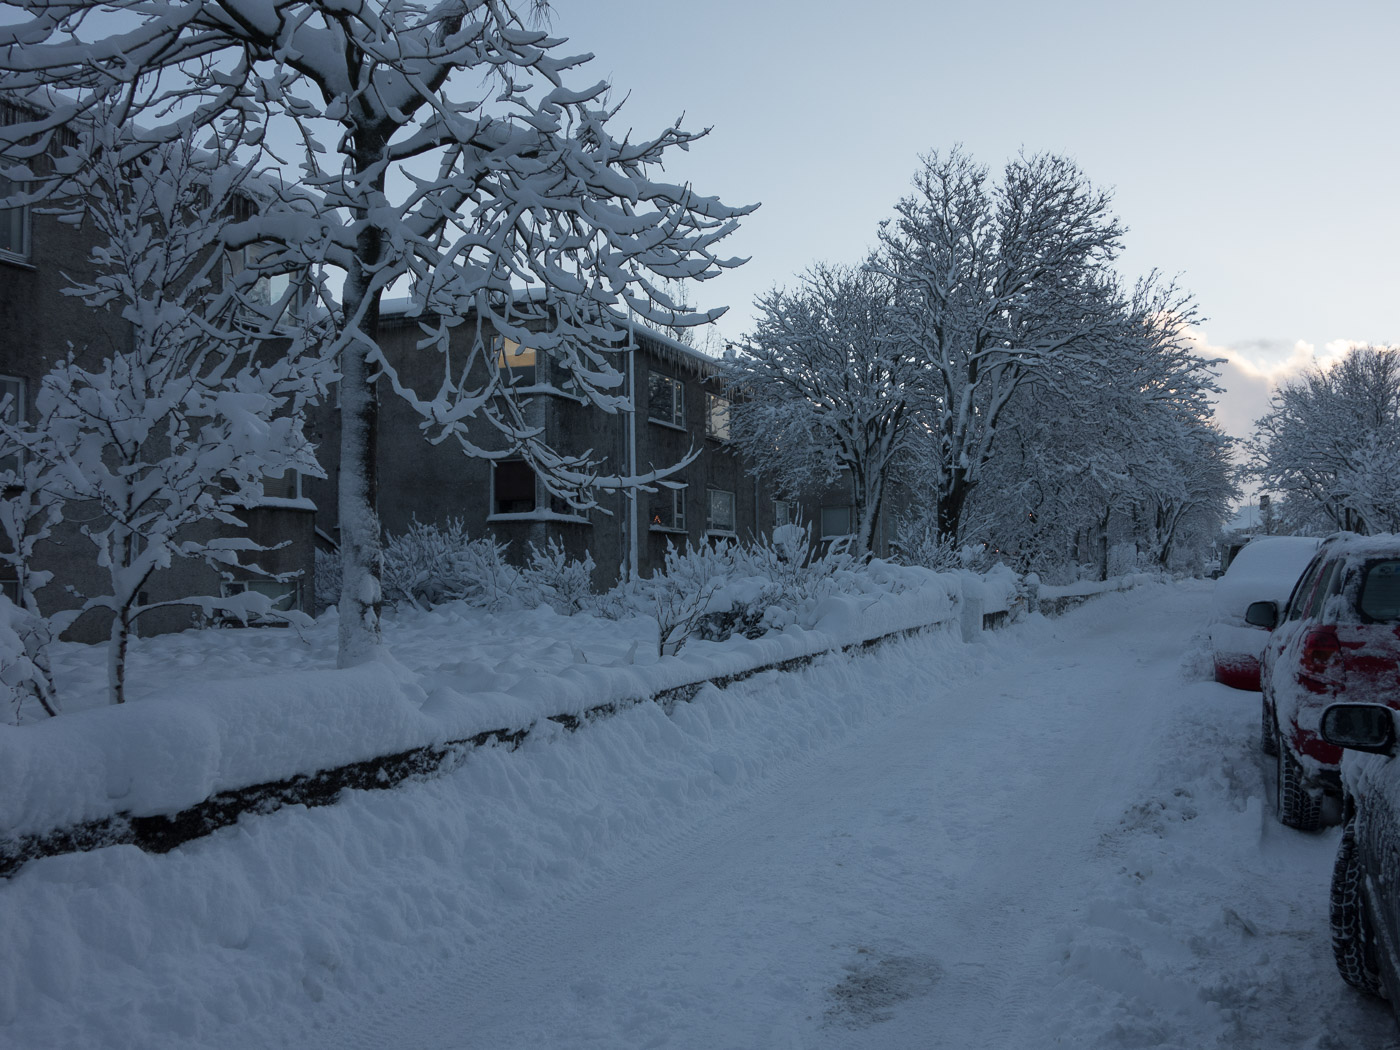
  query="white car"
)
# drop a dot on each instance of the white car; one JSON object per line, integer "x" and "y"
{"x": 1265, "y": 570}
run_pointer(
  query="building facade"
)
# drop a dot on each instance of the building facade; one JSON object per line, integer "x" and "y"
{"x": 40, "y": 325}
{"x": 676, "y": 413}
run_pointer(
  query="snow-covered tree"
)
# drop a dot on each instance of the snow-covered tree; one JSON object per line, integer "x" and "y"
{"x": 1108, "y": 448}
{"x": 158, "y": 447}
{"x": 822, "y": 392}
{"x": 1331, "y": 440}
{"x": 447, "y": 151}
{"x": 993, "y": 284}
{"x": 28, "y": 514}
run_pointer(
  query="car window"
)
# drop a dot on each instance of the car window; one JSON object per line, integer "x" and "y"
{"x": 1380, "y": 591}
{"x": 1302, "y": 590}
{"x": 1326, "y": 582}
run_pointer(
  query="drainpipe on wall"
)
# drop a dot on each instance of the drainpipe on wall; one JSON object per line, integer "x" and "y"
{"x": 632, "y": 455}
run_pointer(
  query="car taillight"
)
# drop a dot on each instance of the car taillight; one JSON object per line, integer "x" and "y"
{"x": 1319, "y": 647}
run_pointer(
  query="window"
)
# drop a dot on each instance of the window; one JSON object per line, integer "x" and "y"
{"x": 14, "y": 224}
{"x": 513, "y": 487}
{"x": 9, "y": 587}
{"x": 717, "y": 417}
{"x": 836, "y": 522}
{"x": 668, "y": 510}
{"x": 784, "y": 512}
{"x": 1380, "y": 592}
{"x": 1302, "y": 590}
{"x": 1326, "y": 583}
{"x": 665, "y": 400}
{"x": 721, "y": 511}
{"x": 287, "y": 290}
{"x": 285, "y": 486}
{"x": 12, "y": 400}
{"x": 518, "y": 362}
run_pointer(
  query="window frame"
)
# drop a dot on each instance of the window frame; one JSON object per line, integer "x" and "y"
{"x": 496, "y": 464}
{"x": 850, "y": 522}
{"x": 246, "y": 258}
{"x": 678, "y": 509}
{"x": 521, "y": 375}
{"x": 26, "y": 225}
{"x": 296, "y": 484}
{"x": 788, "y": 515}
{"x": 677, "y": 409}
{"x": 713, "y": 402}
{"x": 19, "y": 387}
{"x": 713, "y": 529}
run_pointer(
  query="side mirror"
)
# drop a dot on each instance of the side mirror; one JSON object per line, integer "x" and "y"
{"x": 1262, "y": 614}
{"x": 1361, "y": 727}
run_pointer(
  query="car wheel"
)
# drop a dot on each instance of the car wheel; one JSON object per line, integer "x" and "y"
{"x": 1268, "y": 739}
{"x": 1352, "y": 945}
{"x": 1297, "y": 806}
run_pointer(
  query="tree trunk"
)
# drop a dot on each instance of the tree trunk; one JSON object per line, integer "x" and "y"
{"x": 361, "y": 595}
{"x": 870, "y": 495}
{"x": 950, "y": 508}
{"x": 116, "y": 654}
{"x": 1103, "y": 544}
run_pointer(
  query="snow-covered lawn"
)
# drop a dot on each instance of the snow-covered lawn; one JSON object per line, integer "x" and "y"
{"x": 1056, "y": 836}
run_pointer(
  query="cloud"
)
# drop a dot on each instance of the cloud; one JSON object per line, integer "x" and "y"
{"x": 1252, "y": 370}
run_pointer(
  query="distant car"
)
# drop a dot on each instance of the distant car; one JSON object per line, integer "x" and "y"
{"x": 1365, "y": 905}
{"x": 1265, "y": 569}
{"x": 1338, "y": 638}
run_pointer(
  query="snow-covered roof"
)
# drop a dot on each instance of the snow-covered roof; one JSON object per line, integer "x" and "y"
{"x": 648, "y": 339}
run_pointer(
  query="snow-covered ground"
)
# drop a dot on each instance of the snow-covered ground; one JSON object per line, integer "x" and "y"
{"x": 1056, "y": 836}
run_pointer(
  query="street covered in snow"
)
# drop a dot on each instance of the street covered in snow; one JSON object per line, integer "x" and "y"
{"x": 1058, "y": 835}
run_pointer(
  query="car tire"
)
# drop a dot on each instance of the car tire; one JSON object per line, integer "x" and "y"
{"x": 1268, "y": 737}
{"x": 1297, "y": 806}
{"x": 1352, "y": 944}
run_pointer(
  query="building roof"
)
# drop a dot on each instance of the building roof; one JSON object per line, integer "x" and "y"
{"x": 668, "y": 349}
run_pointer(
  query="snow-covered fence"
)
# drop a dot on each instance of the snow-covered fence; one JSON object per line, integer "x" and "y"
{"x": 1053, "y": 600}
{"x": 160, "y": 772}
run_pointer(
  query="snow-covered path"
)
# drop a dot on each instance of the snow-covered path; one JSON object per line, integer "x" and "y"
{"x": 1057, "y": 836}
{"x": 1064, "y": 844}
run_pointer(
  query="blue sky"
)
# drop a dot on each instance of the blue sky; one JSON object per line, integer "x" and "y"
{"x": 1251, "y": 147}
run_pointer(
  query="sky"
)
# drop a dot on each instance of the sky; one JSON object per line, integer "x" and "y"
{"x": 1251, "y": 148}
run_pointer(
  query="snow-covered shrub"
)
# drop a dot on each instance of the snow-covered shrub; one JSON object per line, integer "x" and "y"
{"x": 430, "y": 565}
{"x": 327, "y": 580}
{"x": 916, "y": 542}
{"x": 24, "y": 668}
{"x": 565, "y": 584}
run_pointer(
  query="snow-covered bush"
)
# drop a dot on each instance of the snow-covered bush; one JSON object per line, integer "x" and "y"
{"x": 917, "y": 542}
{"x": 430, "y": 565}
{"x": 24, "y": 669}
{"x": 327, "y": 580}
{"x": 564, "y": 584}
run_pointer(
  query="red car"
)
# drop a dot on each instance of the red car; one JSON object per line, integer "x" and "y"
{"x": 1338, "y": 638}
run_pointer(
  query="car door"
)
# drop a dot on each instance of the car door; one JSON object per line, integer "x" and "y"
{"x": 1288, "y": 620}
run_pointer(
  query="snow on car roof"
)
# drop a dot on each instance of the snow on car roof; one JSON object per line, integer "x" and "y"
{"x": 1265, "y": 570}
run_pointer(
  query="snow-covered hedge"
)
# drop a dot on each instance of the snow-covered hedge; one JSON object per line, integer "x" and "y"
{"x": 171, "y": 750}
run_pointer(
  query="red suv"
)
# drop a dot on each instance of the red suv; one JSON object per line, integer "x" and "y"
{"x": 1338, "y": 638}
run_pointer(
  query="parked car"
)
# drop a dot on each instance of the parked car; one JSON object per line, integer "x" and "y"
{"x": 1337, "y": 638}
{"x": 1365, "y": 903}
{"x": 1265, "y": 569}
